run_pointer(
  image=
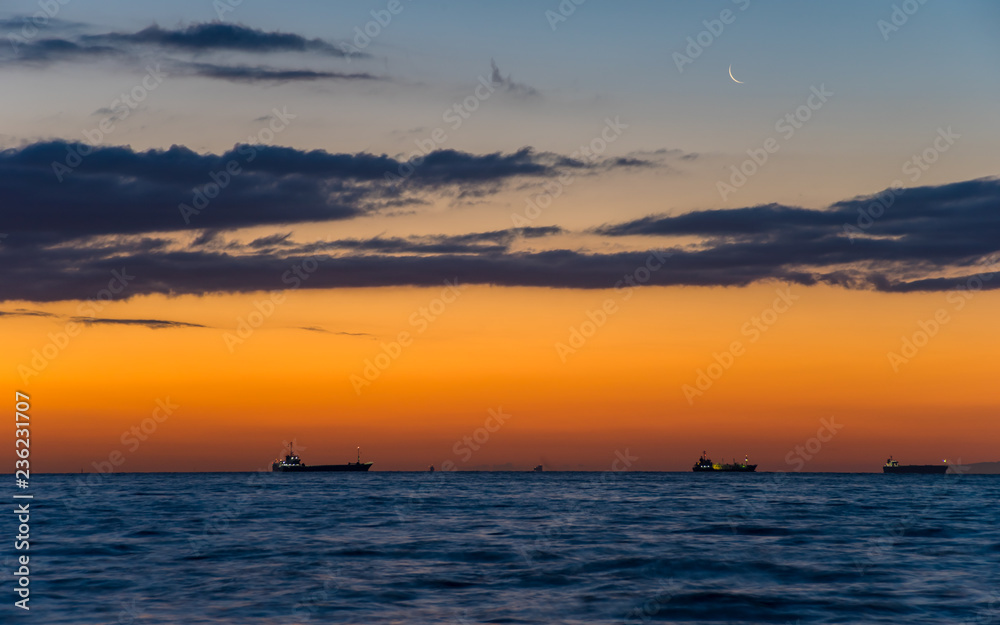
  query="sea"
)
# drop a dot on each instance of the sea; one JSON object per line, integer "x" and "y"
{"x": 505, "y": 547}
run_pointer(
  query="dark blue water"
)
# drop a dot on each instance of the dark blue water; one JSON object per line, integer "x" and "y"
{"x": 514, "y": 548}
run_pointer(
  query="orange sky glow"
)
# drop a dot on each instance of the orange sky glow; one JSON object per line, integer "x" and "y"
{"x": 826, "y": 356}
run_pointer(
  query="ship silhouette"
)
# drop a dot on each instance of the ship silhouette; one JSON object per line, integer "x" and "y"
{"x": 893, "y": 466}
{"x": 706, "y": 465}
{"x": 294, "y": 464}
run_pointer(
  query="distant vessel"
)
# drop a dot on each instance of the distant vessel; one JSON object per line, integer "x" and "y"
{"x": 537, "y": 469}
{"x": 705, "y": 464}
{"x": 294, "y": 464}
{"x": 893, "y": 466}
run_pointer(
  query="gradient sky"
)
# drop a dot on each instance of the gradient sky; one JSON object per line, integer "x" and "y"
{"x": 872, "y": 224}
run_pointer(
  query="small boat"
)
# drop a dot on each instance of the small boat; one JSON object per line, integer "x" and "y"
{"x": 705, "y": 465}
{"x": 537, "y": 469}
{"x": 893, "y": 466}
{"x": 294, "y": 464}
{"x": 431, "y": 470}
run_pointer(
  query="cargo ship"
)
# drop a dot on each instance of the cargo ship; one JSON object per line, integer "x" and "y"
{"x": 705, "y": 464}
{"x": 294, "y": 464}
{"x": 893, "y": 466}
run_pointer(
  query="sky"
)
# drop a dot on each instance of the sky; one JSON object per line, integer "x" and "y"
{"x": 489, "y": 235}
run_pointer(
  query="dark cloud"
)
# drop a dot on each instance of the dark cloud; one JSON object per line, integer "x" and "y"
{"x": 220, "y": 36}
{"x": 22, "y": 312}
{"x": 51, "y": 50}
{"x": 79, "y": 275}
{"x": 507, "y": 84}
{"x": 890, "y": 241}
{"x": 325, "y": 331}
{"x": 246, "y": 73}
{"x": 115, "y": 190}
{"x": 949, "y": 224}
{"x": 767, "y": 219}
{"x": 25, "y": 26}
{"x": 271, "y": 240}
{"x": 67, "y": 238}
{"x": 498, "y": 241}
{"x": 152, "y": 324}
{"x": 182, "y": 50}
{"x": 155, "y": 324}
{"x": 179, "y": 273}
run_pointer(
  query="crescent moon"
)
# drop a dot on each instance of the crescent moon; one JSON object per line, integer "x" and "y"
{"x": 731, "y": 75}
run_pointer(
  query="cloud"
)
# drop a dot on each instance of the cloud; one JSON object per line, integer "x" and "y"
{"x": 154, "y": 324}
{"x": 25, "y": 26}
{"x": 116, "y": 190}
{"x": 217, "y": 36}
{"x": 755, "y": 220}
{"x": 507, "y": 84}
{"x": 325, "y": 331}
{"x": 22, "y": 312}
{"x": 497, "y": 241}
{"x": 941, "y": 225}
{"x": 246, "y": 73}
{"x": 889, "y": 241}
{"x": 115, "y": 212}
{"x": 271, "y": 240}
{"x": 183, "y": 50}
{"x": 51, "y": 50}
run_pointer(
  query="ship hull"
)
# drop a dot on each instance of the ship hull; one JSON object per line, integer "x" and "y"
{"x": 322, "y": 468}
{"x": 750, "y": 468}
{"x": 923, "y": 469}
